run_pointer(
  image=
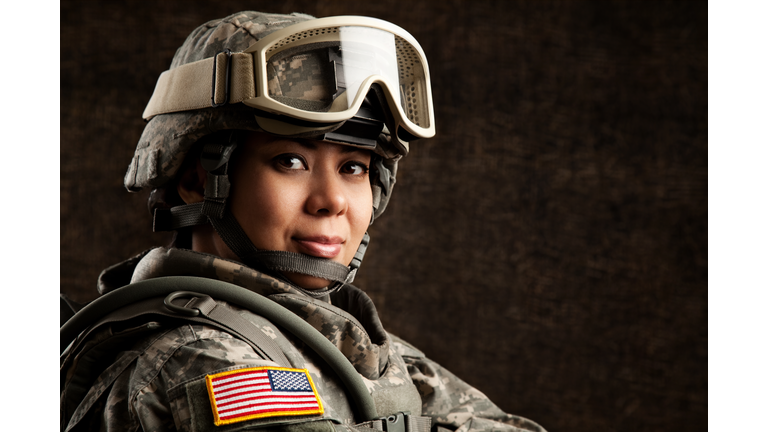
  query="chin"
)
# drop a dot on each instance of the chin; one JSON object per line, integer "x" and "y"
{"x": 307, "y": 282}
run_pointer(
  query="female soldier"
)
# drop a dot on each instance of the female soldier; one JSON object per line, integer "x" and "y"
{"x": 272, "y": 143}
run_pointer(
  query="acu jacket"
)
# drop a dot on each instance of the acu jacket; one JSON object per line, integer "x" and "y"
{"x": 172, "y": 375}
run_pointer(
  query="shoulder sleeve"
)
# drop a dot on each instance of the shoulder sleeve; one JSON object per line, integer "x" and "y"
{"x": 451, "y": 402}
{"x": 147, "y": 395}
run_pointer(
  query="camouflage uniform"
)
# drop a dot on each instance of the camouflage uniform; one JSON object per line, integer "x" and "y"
{"x": 158, "y": 383}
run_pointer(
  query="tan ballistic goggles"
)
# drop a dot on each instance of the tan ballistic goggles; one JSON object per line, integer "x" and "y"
{"x": 318, "y": 71}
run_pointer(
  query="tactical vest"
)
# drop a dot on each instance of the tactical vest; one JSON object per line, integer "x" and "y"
{"x": 94, "y": 344}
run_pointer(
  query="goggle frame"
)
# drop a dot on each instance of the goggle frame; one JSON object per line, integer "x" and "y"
{"x": 291, "y": 37}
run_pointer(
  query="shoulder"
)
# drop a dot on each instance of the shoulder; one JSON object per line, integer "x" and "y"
{"x": 193, "y": 349}
{"x": 405, "y": 349}
{"x": 182, "y": 353}
{"x": 169, "y": 379}
{"x": 128, "y": 371}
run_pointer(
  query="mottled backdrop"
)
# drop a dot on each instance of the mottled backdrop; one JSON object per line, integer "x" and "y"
{"x": 549, "y": 245}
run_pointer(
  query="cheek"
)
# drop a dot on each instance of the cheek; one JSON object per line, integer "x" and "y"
{"x": 361, "y": 210}
{"x": 263, "y": 207}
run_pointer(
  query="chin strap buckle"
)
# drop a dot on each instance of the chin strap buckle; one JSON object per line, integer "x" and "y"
{"x": 357, "y": 260}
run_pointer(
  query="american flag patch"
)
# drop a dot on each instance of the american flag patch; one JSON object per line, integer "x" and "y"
{"x": 260, "y": 392}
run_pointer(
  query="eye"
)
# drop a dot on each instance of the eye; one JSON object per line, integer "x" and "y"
{"x": 291, "y": 162}
{"x": 354, "y": 168}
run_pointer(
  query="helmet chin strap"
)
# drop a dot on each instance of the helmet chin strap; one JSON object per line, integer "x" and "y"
{"x": 214, "y": 210}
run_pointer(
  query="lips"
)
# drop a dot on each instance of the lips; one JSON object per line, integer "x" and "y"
{"x": 320, "y": 246}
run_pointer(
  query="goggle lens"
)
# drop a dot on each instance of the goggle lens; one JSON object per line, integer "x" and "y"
{"x": 322, "y": 70}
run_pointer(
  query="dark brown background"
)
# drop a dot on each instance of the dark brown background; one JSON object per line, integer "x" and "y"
{"x": 549, "y": 245}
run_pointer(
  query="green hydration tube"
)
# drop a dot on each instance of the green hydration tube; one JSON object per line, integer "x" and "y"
{"x": 239, "y": 296}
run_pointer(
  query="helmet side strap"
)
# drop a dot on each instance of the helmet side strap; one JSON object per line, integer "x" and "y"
{"x": 215, "y": 159}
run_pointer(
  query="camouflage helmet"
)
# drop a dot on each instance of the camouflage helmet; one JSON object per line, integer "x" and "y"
{"x": 171, "y": 132}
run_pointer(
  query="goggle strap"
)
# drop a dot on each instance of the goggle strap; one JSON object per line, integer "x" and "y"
{"x": 198, "y": 85}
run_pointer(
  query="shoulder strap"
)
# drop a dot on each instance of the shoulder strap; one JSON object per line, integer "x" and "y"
{"x": 201, "y": 309}
{"x": 214, "y": 312}
{"x": 68, "y": 308}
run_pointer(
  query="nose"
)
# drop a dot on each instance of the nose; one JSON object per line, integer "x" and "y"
{"x": 327, "y": 195}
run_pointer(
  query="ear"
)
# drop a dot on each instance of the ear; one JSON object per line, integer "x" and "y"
{"x": 191, "y": 186}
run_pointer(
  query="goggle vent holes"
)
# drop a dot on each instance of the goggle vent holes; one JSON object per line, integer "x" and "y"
{"x": 410, "y": 84}
{"x": 302, "y": 35}
{"x": 407, "y": 58}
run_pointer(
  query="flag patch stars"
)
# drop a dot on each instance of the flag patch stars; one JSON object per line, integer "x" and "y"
{"x": 261, "y": 392}
{"x": 283, "y": 380}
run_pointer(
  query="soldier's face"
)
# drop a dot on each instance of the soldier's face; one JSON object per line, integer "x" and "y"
{"x": 304, "y": 196}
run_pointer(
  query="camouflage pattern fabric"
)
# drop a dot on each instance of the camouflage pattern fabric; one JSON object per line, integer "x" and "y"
{"x": 157, "y": 383}
{"x": 453, "y": 403}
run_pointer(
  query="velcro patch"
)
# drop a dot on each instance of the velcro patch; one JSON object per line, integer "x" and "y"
{"x": 261, "y": 392}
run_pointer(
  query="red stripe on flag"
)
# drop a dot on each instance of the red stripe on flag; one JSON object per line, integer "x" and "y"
{"x": 263, "y": 411}
{"x": 239, "y": 392}
{"x": 245, "y": 376}
{"x": 257, "y": 385}
{"x": 281, "y": 399}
